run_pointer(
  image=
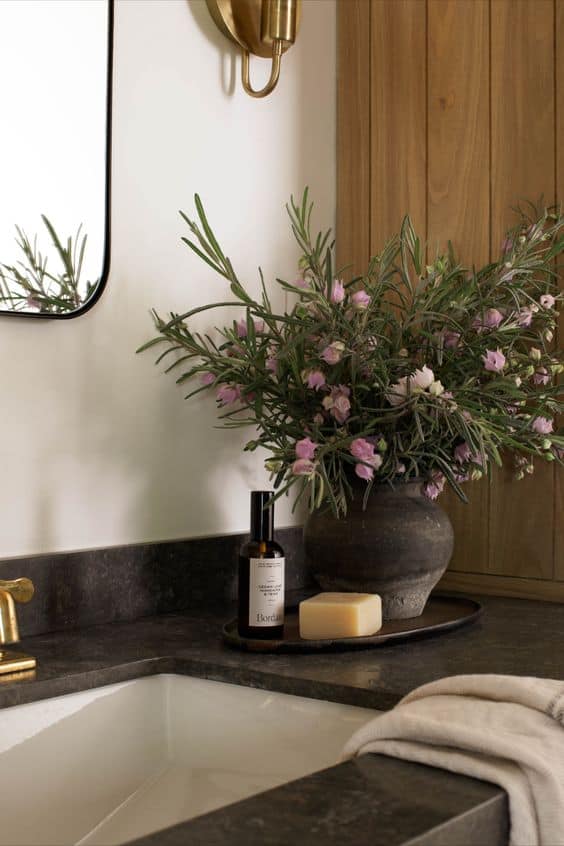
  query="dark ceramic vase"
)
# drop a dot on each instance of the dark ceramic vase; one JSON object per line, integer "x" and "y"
{"x": 398, "y": 547}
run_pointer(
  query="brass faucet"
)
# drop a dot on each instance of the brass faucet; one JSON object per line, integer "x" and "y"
{"x": 18, "y": 590}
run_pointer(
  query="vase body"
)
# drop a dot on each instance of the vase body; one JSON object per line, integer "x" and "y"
{"x": 399, "y": 547}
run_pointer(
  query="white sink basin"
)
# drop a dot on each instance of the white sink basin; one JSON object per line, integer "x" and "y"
{"x": 115, "y": 763}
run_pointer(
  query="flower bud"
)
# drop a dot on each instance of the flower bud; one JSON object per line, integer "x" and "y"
{"x": 273, "y": 465}
{"x": 518, "y": 381}
{"x": 548, "y": 335}
{"x": 535, "y": 354}
{"x": 549, "y": 456}
{"x": 381, "y": 445}
{"x": 436, "y": 388}
{"x": 546, "y": 443}
{"x": 529, "y": 370}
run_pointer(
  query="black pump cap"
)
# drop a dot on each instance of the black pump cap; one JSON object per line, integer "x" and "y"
{"x": 262, "y": 518}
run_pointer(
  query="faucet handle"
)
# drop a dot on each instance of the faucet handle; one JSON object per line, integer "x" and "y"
{"x": 21, "y": 590}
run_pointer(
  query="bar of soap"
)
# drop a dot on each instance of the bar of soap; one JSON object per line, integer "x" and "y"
{"x": 334, "y": 615}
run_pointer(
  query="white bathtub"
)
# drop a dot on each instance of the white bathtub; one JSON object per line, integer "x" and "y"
{"x": 115, "y": 763}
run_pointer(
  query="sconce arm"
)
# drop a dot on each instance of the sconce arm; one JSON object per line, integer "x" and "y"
{"x": 274, "y": 73}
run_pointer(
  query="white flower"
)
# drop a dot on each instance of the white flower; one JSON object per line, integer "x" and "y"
{"x": 436, "y": 388}
{"x": 397, "y": 393}
{"x": 422, "y": 379}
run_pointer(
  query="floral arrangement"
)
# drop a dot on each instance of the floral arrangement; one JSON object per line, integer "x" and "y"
{"x": 30, "y": 285}
{"x": 411, "y": 371}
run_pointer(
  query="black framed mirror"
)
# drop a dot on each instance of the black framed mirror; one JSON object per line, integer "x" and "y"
{"x": 55, "y": 103}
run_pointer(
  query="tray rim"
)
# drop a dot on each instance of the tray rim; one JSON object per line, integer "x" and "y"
{"x": 234, "y": 640}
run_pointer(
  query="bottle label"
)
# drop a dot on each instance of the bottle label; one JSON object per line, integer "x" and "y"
{"x": 266, "y": 591}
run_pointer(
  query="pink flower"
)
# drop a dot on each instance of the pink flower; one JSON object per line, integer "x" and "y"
{"x": 315, "y": 379}
{"x": 271, "y": 363}
{"x": 524, "y": 317}
{"x": 333, "y": 353}
{"x": 242, "y": 327}
{"x": 363, "y": 449}
{"x": 434, "y": 486}
{"x": 337, "y": 291}
{"x": 360, "y": 300}
{"x": 462, "y": 453}
{"x": 228, "y": 394}
{"x": 542, "y": 425}
{"x": 451, "y": 339}
{"x": 363, "y": 471}
{"x": 507, "y": 246}
{"x": 489, "y": 320}
{"x": 494, "y": 361}
{"x": 303, "y": 467}
{"x": 305, "y": 448}
{"x": 541, "y": 377}
{"x": 461, "y": 478}
{"x": 338, "y": 403}
{"x": 341, "y": 408}
{"x": 300, "y": 282}
{"x": 547, "y": 301}
{"x": 207, "y": 378}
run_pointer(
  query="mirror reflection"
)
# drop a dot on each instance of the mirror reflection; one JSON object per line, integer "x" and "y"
{"x": 55, "y": 62}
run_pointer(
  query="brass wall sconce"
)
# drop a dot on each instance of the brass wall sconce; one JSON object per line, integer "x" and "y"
{"x": 265, "y": 28}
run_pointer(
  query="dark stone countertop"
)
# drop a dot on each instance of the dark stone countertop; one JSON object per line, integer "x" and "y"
{"x": 374, "y": 800}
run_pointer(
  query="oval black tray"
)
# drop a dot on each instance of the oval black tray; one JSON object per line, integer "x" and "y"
{"x": 442, "y": 613}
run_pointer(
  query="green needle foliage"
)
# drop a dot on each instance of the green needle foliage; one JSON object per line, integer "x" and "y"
{"x": 30, "y": 285}
{"x": 410, "y": 371}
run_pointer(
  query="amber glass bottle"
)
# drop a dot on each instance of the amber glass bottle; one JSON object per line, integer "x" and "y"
{"x": 261, "y": 575}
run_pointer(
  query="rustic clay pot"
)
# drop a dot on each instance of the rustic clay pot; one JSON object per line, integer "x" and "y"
{"x": 398, "y": 547}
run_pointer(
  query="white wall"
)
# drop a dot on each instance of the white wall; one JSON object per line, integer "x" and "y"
{"x": 97, "y": 447}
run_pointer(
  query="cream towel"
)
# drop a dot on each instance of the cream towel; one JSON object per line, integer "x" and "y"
{"x": 508, "y": 730}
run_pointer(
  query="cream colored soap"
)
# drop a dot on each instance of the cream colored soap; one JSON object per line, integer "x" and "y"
{"x": 333, "y": 615}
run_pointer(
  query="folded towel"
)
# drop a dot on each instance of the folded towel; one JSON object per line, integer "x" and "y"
{"x": 508, "y": 730}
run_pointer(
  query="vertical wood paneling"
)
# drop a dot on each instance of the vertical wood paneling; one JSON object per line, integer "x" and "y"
{"x": 459, "y": 191}
{"x": 353, "y": 133}
{"x": 398, "y": 126}
{"x": 453, "y": 111}
{"x": 523, "y": 166}
{"x": 559, "y": 101}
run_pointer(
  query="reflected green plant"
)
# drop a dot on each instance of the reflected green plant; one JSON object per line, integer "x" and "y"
{"x": 31, "y": 285}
